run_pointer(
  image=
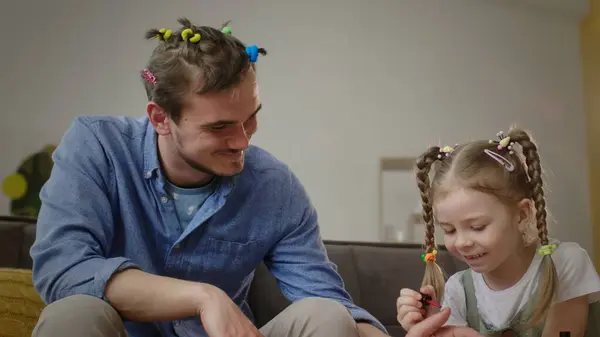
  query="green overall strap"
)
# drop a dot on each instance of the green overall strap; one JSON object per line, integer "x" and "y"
{"x": 593, "y": 322}
{"x": 521, "y": 320}
{"x": 473, "y": 318}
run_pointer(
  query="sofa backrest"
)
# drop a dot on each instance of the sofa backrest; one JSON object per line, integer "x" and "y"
{"x": 373, "y": 273}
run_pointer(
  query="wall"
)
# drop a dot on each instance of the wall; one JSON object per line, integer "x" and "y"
{"x": 345, "y": 83}
{"x": 590, "y": 50}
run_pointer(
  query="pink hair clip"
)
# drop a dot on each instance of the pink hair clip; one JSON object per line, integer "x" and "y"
{"x": 148, "y": 76}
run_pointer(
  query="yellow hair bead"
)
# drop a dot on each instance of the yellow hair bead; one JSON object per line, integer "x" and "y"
{"x": 195, "y": 38}
{"x": 185, "y": 33}
{"x": 547, "y": 249}
{"x": 165, "y": 34}
{"x": 505, "y": 141}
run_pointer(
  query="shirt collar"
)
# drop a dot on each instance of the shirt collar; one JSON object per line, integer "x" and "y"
{"x": 151, "y": 163}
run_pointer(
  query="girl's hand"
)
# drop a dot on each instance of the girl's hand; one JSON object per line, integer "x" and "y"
{"x": 410, "y": 308}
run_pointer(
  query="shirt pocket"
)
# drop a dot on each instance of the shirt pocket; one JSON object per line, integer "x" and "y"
{"x": 228, "y": 264}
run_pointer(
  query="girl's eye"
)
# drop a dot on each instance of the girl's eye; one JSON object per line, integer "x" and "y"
{"x": 448, "y": 231}
{"x": 479, "y": 228}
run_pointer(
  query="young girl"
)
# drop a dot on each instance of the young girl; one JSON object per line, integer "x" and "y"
{"x": 487, "y": 197}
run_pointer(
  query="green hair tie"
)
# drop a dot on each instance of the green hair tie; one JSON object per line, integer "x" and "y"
{"x": 547, "y": 249}
{"x": 226, "y": 30}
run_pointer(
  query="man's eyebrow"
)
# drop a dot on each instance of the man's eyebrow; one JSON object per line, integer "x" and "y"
{"x": 230, "y": 122}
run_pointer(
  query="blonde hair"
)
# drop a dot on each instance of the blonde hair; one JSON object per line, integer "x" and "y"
{"x": 469, "y": 166}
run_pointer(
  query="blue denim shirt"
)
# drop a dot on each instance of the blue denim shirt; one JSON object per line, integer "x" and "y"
{"x": 105, "y": 208}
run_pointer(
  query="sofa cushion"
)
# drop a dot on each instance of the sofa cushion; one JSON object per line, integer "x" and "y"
{"x": 20, "y": 304}
{"x": 11, "y": 240}
{"x": 343, "y": 258}
{"x": 265, "y": 298}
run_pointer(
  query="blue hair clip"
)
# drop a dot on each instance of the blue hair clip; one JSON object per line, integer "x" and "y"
{"x": 252, "y": 52}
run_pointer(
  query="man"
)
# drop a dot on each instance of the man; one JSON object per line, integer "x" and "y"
{"x": 154, "y": 227}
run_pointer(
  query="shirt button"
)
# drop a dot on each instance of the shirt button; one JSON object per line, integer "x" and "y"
{"x": 191, "y": 210}
{"x": 164, "y": 200}
{"x": 148, "y": 174}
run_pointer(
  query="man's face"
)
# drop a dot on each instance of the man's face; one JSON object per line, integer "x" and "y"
{"x": 215, "y": 129}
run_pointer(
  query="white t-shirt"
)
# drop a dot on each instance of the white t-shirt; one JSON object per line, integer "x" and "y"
{"x": 576, "y": 276}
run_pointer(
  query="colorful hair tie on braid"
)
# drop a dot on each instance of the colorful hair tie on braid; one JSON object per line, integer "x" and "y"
{"x": 504, "y": 143}
{"x": 547, "y": 249}
{"x": 429, "y": 257}
{"x": 165, "y": 34}
{"x": 445, "y": 152}
{"x": 253, "y": 52}
{"x": 187, "y": 32}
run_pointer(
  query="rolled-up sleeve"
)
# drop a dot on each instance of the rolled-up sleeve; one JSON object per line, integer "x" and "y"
{"x": 75, "y": 226}
{"x": 299, "y": 261}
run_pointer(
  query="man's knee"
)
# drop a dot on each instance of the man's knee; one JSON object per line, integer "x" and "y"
{"x": 323, "y": 308}
{"x": 312, "y": 317}
{"x": 324, "y": 312}
{"x": 79, "y": 314}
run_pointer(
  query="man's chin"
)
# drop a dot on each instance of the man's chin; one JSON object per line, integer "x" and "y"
{"x": 231, "y": 168}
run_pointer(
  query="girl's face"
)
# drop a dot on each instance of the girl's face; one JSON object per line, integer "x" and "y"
{"x": 481, "y": 230}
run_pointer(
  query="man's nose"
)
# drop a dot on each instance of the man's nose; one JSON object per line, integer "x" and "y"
{"x": 239, "y": 140}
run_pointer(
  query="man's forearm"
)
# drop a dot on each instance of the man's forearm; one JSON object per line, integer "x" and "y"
{"x": 368, "y": 330}
{"x": 140, "y": 296}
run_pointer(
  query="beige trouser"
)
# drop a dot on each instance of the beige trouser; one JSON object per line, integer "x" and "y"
{"x": 83, "y": 315}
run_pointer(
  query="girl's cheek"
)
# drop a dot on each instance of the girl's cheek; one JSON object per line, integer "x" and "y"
{"x": 450, "y": 246}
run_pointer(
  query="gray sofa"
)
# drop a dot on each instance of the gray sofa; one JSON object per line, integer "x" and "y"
{"x": 373, "y": 273}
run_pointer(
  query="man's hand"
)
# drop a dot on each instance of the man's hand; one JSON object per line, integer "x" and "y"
{"x": 222, "y": 318}
{"x": 433, "y": 327}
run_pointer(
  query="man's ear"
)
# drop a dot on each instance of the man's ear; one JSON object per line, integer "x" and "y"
{"x": 159, "y": 118}
{"x": 526, "y": 214}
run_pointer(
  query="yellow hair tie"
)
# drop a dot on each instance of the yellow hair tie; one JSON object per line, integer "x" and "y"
{"x": 195, "y": 38}
{"x": 429, "y": 257}
{"x": 165, "y": 34}
{"x": 186, "y": 32}
{"x": 547, "y": 249}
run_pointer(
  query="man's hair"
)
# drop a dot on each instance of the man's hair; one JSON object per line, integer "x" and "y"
{"x": 509, "y": 171}
{"x": 193, "y": 59}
